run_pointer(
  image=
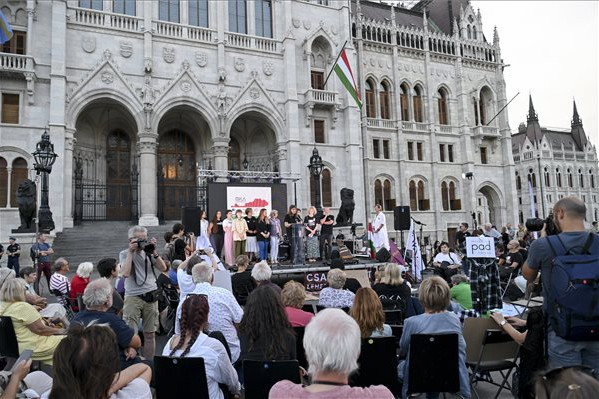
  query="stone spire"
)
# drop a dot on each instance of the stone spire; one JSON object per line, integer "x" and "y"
{"x": 455, "y": 28}
{"x": 533, "y": 129}
{"x": 424, "y": 19}
{"x": 495, "y": 36}
{"x": 578, "y": 134}
{"x": 393, "y": 15}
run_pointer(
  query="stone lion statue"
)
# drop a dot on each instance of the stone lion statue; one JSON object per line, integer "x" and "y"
{"x": 26, "y": 197}
{"x": 346, "y": 211}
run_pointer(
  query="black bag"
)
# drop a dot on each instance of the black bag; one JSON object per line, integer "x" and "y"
{"x": 150, "y": 297}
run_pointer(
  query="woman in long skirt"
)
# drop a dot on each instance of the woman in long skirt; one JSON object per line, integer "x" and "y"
{"x": 228, "y": 240}
{"x": 276, "y": 235}
{"x": 312, "y": 247}
{"x": 216, "y": 233}
{"x": 251, "y": 242}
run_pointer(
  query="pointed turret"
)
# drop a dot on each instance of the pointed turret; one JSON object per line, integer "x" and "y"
{"x": 578, "y": 134}
{"x": 533, "y": 129}
{"x": 424, "y": 20}
{"x": 495, "y": 36}
{"x": 455, "y": 30}
{"x": 393, "y": 15}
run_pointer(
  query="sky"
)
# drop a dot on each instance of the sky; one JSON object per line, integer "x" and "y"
{"x": 552, "y": 51}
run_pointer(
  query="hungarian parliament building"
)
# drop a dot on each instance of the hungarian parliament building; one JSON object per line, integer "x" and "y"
{"x": 146, "y": 101}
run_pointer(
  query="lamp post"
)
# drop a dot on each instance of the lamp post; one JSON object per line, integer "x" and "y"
{"x": 316, "y": 167}
{"x": 44, "y": 156}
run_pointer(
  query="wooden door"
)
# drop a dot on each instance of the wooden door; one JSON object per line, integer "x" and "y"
{"x": 118, "y": 176}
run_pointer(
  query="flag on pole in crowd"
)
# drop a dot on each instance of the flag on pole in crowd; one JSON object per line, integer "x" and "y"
{"x": 5, "y": 29}
{"x": 371, "y": 242}
{"x": 533, "y": 208}
{"x": 343, "y": 70}
{"x": 396, "y": 256}
{"x": 412, "y": 245}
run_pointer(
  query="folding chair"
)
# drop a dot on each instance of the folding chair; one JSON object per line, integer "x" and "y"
{"x": 320, "y": 307}
{"x": 180, "y": 377}
{"x": 394, "y": 317}
{"x": 9, "y": 346}
{"x": 308, "y": 308}
{"x": 433, "y": 364}
{"x": 66, "y": 302}
{"x": 299, "y": 347}
{"x": 377, "y": 364}
{"x": 260, "y": 376}
{"x": 487, "y": 350}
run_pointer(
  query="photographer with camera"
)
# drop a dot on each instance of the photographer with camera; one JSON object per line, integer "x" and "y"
{"x": 141, "y": 293}
{"x": 568, "y": 259}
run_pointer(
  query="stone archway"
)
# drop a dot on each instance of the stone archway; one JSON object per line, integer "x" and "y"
{"x": 489, "y": 205}
{"x": 254, "y": 145}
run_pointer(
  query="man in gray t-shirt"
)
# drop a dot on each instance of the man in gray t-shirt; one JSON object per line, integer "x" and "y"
{"x": 141, "y": 300}
{"x": 568, "y": 215}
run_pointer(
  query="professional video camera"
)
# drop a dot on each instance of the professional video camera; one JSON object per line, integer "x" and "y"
{"x": 536, "y": 224}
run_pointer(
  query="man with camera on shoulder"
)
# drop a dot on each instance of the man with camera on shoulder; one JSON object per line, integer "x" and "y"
{"x": 141, "y": 293}
{"x": 568, "y": 258}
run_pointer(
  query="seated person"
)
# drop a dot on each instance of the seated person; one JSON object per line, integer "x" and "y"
{"x": 368, "y": 312}
{"x": 80, "y": 281}
{"x": 59, "y": 282}
{"x": 29, "y": 275}
{"x": 89, "y": 355}
{"x": 351, "y": 283}
{"x": 393, "y": 291}
{"x": 264, "y": 332}
{"x": 242, "y": 282}
{"x": 98, "y": 299}
{"x": 30, "y": 330}
{"x": 500, "y": 254}
{"x": 435, "y": 296}
{"x": 334, "y": 296}
{"x": 513, "y": 261}
{"x": 109, "y": 269}
{"x": 35, "y": 382}
{"x": 192, "y": 342}
{"x": 294, "y": 297}
{"x": 446, "y": 262}
{"x": 461, "y": 291}
{"x": 332, "y": 343}
{"x": 262, "y": 273}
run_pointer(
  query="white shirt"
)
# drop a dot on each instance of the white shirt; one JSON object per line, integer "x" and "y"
{"x": 219, "y": 369}
{"x": 225, "y": 312}
{"x": 380, "y": 239}
{"x": 136, "y": 389}
{"x": 60, "y": 283}
{"x": 451, "y": 258}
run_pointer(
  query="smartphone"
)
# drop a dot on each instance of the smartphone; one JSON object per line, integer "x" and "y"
{"x": 26, "y": 355}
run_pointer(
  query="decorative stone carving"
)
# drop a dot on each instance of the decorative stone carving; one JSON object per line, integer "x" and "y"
{"x": 185, "y": 65}
{"x": 268, "y": 67}
{"x": 307, "y": 25}
{"x": 126, "y": 49}
{"x": 296, "y": 23}
{"x": 107, "y": 77}
{"x": 201, "y": 59}
{"x": 147, "y": 93}
{"x": 281, "y": 153}
{"x": 88, "y": 44}
{"x": 254, "y": 93}
{"x": 148, "y": 65}
{"x": 147, "y": 147}
{"x": 222, "y": 101}
{"x": 168, "y": 54}
{"x": 185, "y": 85}
{"x": 26, "y": 195}
{"x": 107, "y": 54}
{"x": 239, "y": 64}
{"x": 254, "y": 74}
{"x": 372, "y": 62}
{"x": 222, "y": 74}
{"x": 334, "y": 30}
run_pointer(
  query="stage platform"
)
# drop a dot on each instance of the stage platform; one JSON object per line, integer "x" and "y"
{"x": 320, "y": 266}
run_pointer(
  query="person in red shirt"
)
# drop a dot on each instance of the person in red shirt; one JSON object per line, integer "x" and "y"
{"x": 294, "y": 296}
{"x": 80, "y": 281}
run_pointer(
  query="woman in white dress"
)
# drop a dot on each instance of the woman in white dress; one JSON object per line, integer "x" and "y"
{"x": 379, "y": 229}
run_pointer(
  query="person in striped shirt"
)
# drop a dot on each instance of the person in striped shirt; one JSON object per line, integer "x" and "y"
{"x": 59, "y": 280}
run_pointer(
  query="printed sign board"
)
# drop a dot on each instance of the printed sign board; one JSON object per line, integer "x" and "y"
{"x": 315, "y": 281}
{"x": 480, "y": 247}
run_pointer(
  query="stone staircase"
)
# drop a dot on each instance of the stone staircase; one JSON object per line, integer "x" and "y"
{"x": 92, "y": 241}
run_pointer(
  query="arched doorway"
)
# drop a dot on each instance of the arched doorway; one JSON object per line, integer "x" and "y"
{"x": 118, "y": 176}
{"x": 489, "y": 205}
{"x": 183, "y": 139}
{"x": 252, "y": 144}
{"x": 105, "y": 171}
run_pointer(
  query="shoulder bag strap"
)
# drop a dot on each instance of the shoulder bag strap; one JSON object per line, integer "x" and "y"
{"x": 588, "y": 244}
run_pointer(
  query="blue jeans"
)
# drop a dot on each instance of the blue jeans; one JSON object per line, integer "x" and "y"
{"x": 564, "y": 353}
{"x": 263, "y": 249}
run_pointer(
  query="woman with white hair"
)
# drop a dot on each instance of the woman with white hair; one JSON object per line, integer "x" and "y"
{"x": 262, "y": 273}
{"x": 80, "y": 281}
{"x": 334, "y": 296}
{"x": 332, "y": 343}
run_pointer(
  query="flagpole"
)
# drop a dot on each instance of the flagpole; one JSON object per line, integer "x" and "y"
{"x": 334, "y": 63}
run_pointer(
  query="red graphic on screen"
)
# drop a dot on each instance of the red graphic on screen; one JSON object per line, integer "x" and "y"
{"x": 256, "y": 203}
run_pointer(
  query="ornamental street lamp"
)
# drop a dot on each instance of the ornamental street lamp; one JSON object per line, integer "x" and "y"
{"x": 316, "y": 166}
{"x": 44, "y": 156}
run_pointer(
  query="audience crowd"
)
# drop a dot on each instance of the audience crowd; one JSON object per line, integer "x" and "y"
{"x": 99, "y": 340}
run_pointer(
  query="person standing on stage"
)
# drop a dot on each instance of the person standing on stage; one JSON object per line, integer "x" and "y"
{"x": 240, "y": 229}
{"x": 276, "y": 234}
{"x": 311, "y": 224}
{"x": 203, "y": 229}
{"x": 227, "y": 225}
{"x": 14, "y": 252}
{"x": 216, "y": 233}
{"x": 290, "y": 219}
{"x": 251, "y": 245}
{"x": 379, "y": 229}
{"x": 41, "y": 251}
{"x": 263, "y": 235}
{"x": 326, "y": 234}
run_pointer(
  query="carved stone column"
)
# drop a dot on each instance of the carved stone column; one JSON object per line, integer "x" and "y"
{"x": 147, "y": 177}
{"x": 69, "y": 143}
{"x": 220, "y": 149}
{"x": 8, "y": 186}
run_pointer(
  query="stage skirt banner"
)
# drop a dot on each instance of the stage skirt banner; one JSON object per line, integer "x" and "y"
{"x": 249, "y": 197}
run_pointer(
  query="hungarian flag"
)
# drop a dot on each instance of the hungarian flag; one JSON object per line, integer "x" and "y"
{"x": 370, "y": 242}
{"x": 343, "y": 70}
{"x": 5, "y": 29}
